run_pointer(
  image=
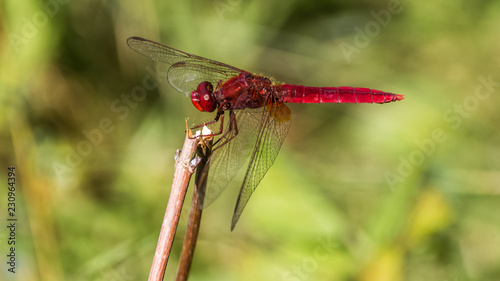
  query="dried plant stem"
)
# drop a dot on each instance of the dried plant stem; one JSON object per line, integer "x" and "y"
{"x": 194, "y": 215}
{"x": 184, "y": 168}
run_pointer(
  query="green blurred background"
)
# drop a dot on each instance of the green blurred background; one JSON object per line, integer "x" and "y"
{"x": 401, "y": 191}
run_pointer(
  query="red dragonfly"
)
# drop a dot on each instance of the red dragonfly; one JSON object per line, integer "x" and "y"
{"x": 259, "y": 120}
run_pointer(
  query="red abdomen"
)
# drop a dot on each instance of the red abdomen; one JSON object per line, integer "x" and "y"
{"x": 301, "y": 94}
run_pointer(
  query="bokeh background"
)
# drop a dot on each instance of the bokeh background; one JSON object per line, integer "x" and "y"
{"x": 401, "y": 191}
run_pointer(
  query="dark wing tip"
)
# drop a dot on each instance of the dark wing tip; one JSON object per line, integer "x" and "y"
{"x": 133, "y": 39}
{"x": 237, "y": 211}
{"x": 233, "y": 223}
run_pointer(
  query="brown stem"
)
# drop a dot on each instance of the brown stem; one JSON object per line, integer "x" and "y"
{"x": 184, "y": 168}
{"x": 194, "y": 215}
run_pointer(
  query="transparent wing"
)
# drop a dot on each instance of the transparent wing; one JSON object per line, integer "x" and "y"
{"x": 274, "y": 125}
{"x": 227, "y": 160}
{"x": 261, "y": 133}
{"x": 187, "y": 70}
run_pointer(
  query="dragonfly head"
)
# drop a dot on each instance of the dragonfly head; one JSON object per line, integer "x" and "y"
{"x": 203, "y": 98}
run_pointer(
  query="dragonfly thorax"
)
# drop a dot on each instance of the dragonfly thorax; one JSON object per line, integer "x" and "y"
{"x": 245, "y": 91}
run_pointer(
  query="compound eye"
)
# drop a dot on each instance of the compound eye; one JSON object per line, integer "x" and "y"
{"x": 203, "y": 98}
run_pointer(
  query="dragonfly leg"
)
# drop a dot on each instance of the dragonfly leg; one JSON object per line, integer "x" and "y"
{"x": 233, "y": 126}
{"x": 207, "y": 123}
{"x": 220, "y": 115}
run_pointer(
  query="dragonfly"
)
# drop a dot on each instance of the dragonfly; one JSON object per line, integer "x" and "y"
{"x": 253, "y": 108}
